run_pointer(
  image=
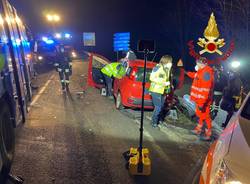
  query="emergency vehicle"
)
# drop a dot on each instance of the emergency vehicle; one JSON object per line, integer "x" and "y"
{"x": 45, "y": 48}
{"x": 228, "y": 159}
{"x": 45, "y": 51}
{"x": 15, "y": 81}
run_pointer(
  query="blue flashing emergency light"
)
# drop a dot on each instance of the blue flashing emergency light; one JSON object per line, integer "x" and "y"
{"x": 4, "y": 39}
{"x": 49, "y": 42}
{"x": 67, "y": 35}
{"x": 18, "y": 42}
{"x": 58, "y": 35}
{"x": 45, "y": 39}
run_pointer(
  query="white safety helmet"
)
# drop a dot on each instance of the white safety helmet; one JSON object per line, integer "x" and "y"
{"x": 131, "y": 55}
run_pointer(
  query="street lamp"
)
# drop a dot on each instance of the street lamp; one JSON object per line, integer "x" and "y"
{"x": 53, "y": 18}
{"x": 50, "y": 18}
{"x": 57, "y": 18}
{"x": 235, "y": 64}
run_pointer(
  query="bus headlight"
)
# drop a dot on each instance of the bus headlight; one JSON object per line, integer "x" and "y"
{"x": 40, "y": 58}
{"x": 74, "y": 55}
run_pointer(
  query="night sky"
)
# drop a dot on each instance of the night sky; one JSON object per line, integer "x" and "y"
{"x": 170, "y": 23}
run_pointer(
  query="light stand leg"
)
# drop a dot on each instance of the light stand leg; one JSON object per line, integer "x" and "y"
{"x": 140, "y": 166}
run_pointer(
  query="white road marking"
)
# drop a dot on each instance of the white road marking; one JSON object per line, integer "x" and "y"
{"x": 36, "y": 98}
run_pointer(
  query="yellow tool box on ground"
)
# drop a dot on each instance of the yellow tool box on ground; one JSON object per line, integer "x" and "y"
{"x": 139, "y": 166}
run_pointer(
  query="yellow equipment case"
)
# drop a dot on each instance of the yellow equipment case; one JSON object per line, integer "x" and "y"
{"x": 137, "y": 165}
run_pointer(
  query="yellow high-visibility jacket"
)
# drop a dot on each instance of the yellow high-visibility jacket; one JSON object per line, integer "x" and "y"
{"x": 114, "y": 70}
{"x": 159, "y": 78}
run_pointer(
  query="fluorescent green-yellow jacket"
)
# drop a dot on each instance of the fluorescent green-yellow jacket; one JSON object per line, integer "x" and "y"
{"x": 159, "y": 78}
{"x": 114, "y": 69}
{"x": 2, "y": 62}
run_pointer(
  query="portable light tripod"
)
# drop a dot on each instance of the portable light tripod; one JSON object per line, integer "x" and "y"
{"x": 139, "y": 162}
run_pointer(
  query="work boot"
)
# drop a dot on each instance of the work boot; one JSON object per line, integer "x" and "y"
{"x": 196, "y": 130}
{"x": 110, "y": 97}
{"x": 63, "y": 86}
{"x": 160, "y": 122}
{"x": 223, "y": 126}
{"x": 67, "y": 87}
{"x": 207, "y": 136}
{"x": 154, "y": 125}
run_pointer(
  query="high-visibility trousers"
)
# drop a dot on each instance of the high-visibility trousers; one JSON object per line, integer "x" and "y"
{"x": 64, "y": 74}
{"x": 204, "y": 117}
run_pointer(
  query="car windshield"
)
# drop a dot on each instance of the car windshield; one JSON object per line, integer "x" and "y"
{"x": 45, "y": 49}
{"x": 139, "y": 74}
{"x": 246, "y": 110}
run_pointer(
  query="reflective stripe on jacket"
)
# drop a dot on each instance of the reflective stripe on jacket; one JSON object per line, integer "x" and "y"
{"x": 202, "y": 87}
{"x": 159, "y": 78}
{"x": 114, "y": 69}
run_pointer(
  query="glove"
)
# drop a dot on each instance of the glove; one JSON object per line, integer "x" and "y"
{"x": 201, "y": 108}
{"x": 166, "y": 83}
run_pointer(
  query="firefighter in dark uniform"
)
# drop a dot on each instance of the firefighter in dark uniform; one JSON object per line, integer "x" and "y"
{"x": 232, "y": 95}
{"x": 220, "y": 82}
{"x": 64, "y": 67}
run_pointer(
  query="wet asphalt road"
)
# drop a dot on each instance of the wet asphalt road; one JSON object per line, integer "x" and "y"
{"x": 71, "y": 139}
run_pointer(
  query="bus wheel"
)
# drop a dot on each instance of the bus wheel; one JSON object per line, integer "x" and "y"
{"x": 7, "y": 141}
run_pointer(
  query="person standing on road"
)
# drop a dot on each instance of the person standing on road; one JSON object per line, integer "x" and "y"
{"x": 130, "y": 56}
{"x": 110, "y": 71}
{"x": 177, "y": 81}
{"x": 64, "y": 67}
{"x": 160, "y": 83}
{"x": 201, "y": 94}
{"x": 220, "y": 82}
{"x": 232, "y": 95}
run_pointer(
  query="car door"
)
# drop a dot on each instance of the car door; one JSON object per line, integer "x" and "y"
{"x": 95, "y": 76}
{"x": 123, "y": 82}
{"x": 8, "y": 74}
